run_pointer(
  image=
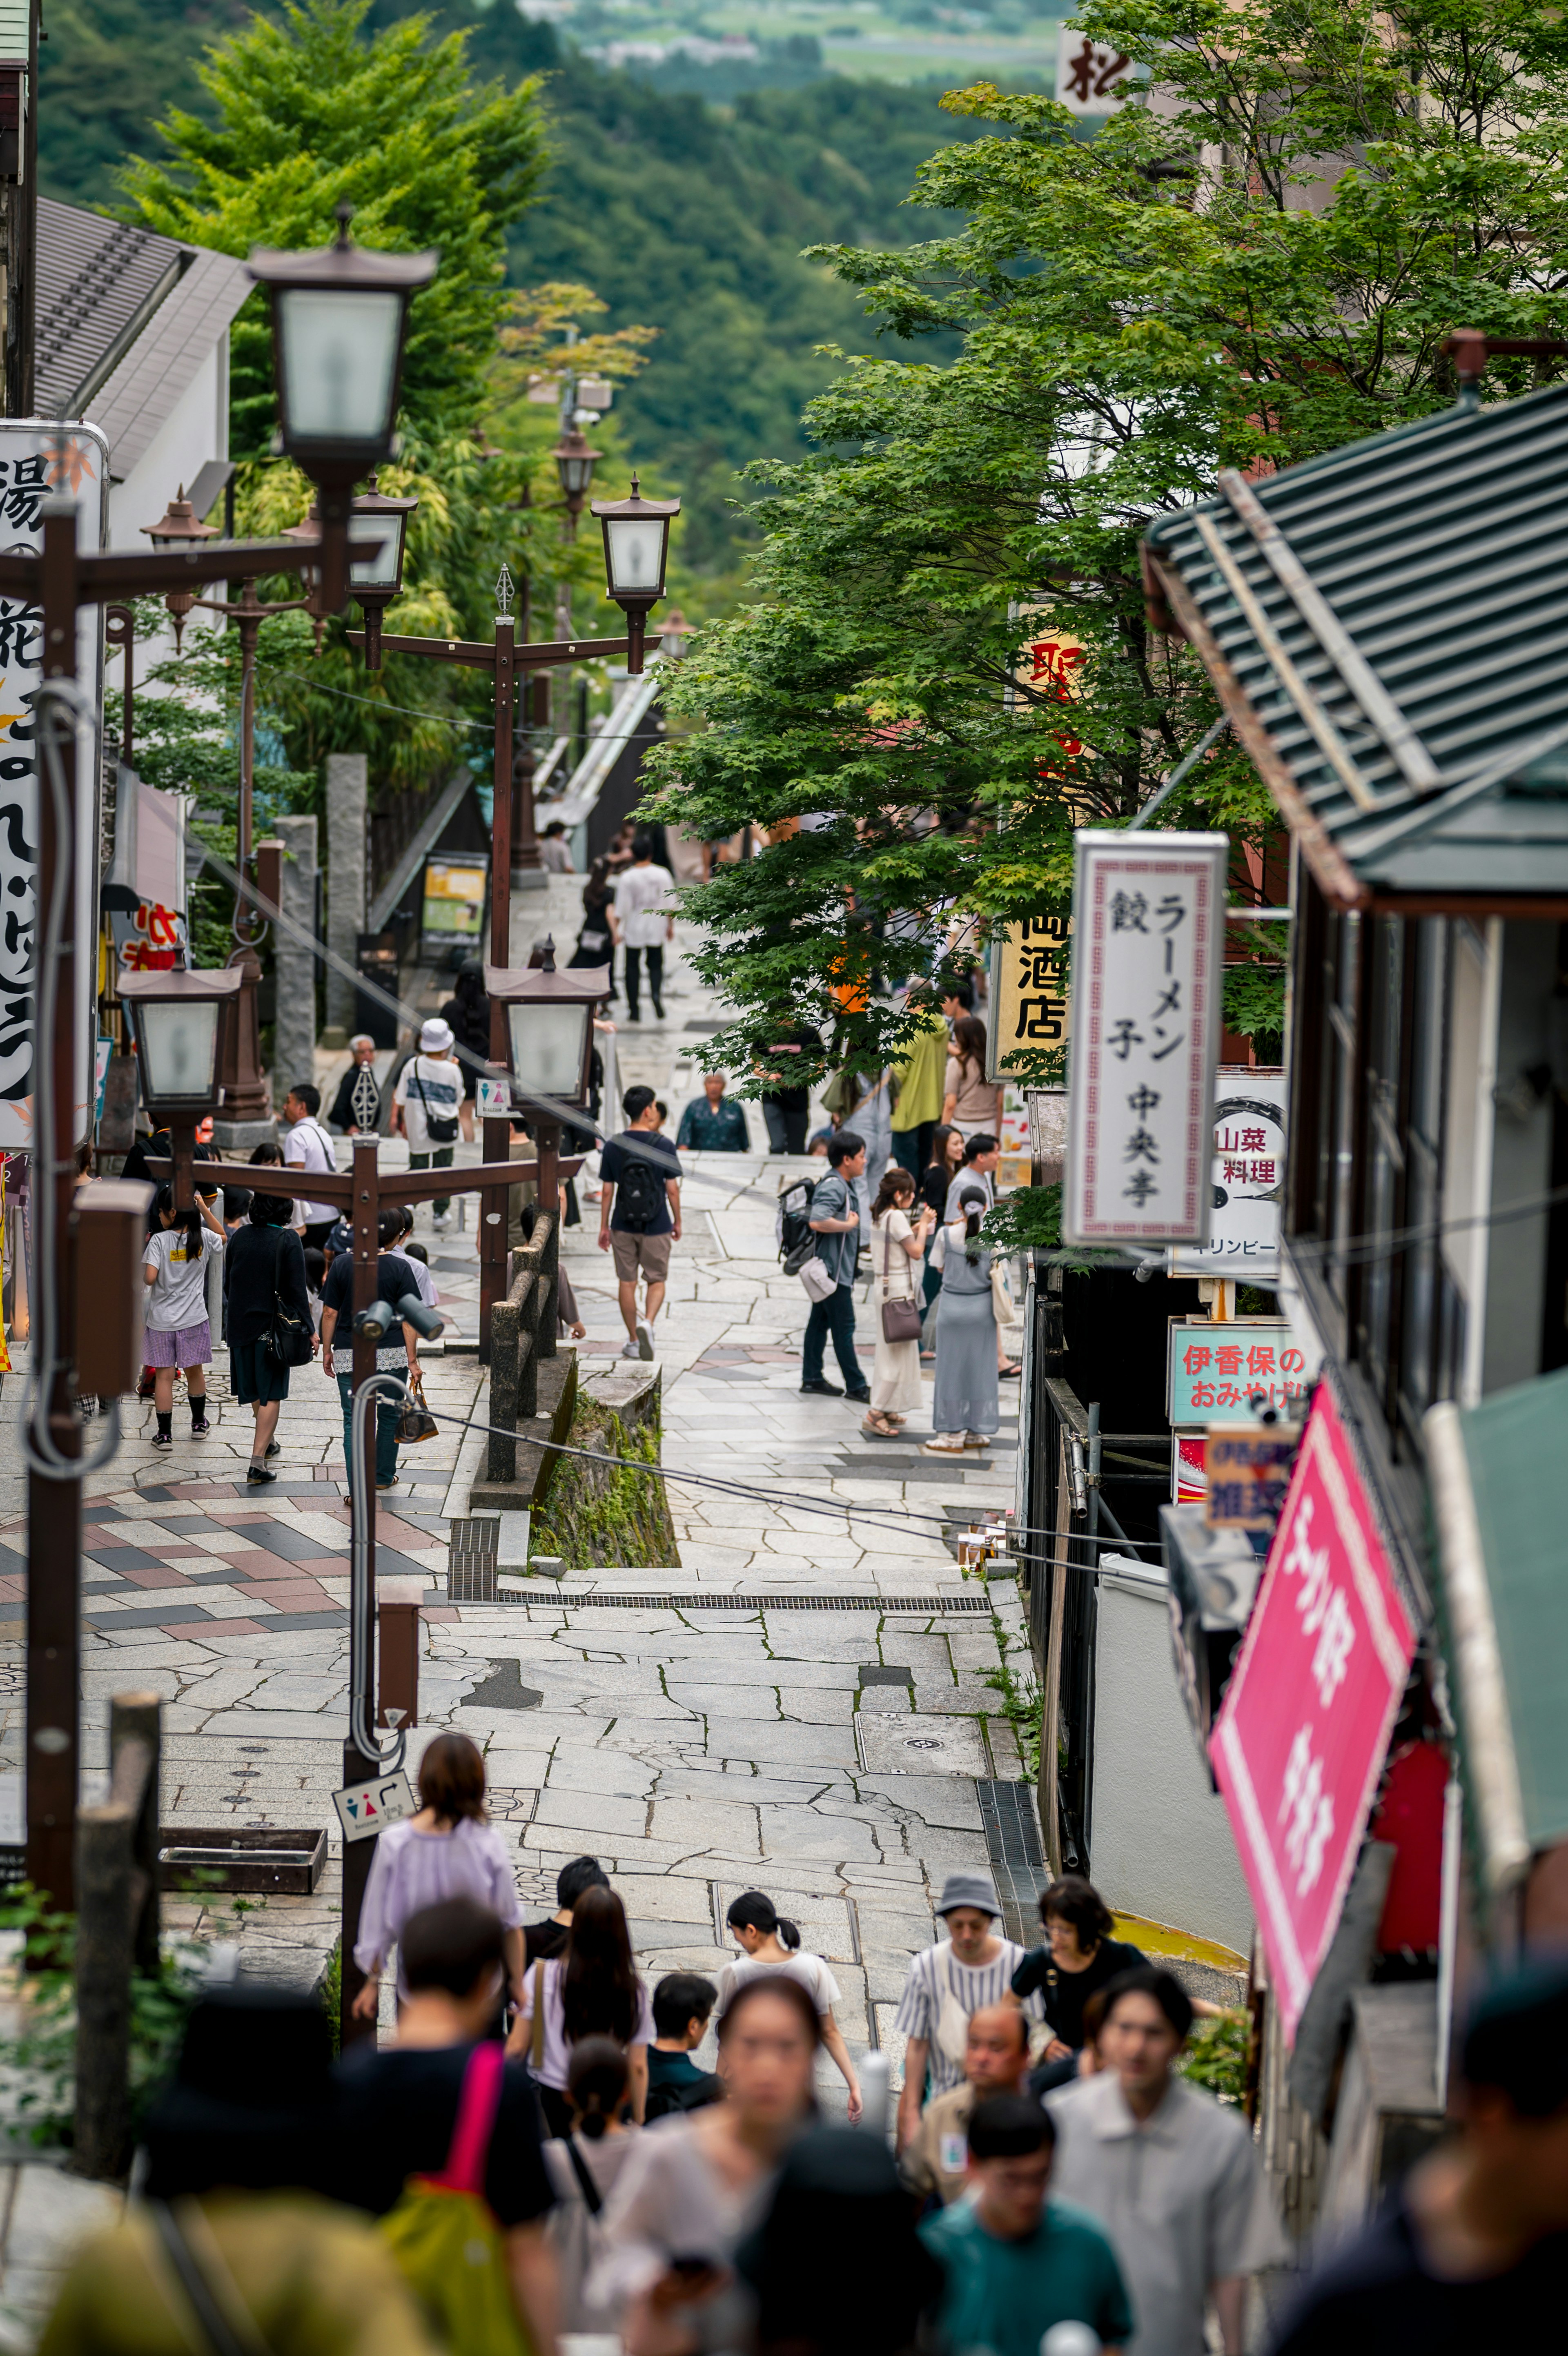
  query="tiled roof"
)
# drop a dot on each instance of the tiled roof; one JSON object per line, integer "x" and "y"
{"x": 1388, "y": 627}
{"x": 124, "y": 319}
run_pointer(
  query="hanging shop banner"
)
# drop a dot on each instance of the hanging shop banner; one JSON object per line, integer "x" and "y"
{"x": 1215, "y": 1371}
{"x": 37, "y": 461}
{"x": 1092, "y": 76}
{"x": 1304, "y": 1731}
{"x": 1249, "y": 1179}
{"x": 1026, "y": 1012}
{"x": 1148, "y": 946}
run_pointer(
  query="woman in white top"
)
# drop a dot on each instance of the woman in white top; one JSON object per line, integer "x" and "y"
{"x": 591, "y": 1989}
{"x": 583, "y": 2169}
{"x": 697, "y": 2183}
{"x": 177, "y": 1332}
{"x": 897, "y": 1249}
{"x": 770, "y": 1943}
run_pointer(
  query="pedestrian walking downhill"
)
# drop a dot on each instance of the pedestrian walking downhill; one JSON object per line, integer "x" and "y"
{"x": 450, "y": 1849}
{"x": 770, "y": 1943}
{"x": 972, "y": 1966}
{"x": 265, "y": 1274}
{"x": 834, "y": 1220}
{"x": 179, "y": 1331}
{"x": 640, "y": 1214}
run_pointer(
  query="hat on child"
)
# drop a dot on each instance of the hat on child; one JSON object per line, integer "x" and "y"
{"x": 436, "y": 1037}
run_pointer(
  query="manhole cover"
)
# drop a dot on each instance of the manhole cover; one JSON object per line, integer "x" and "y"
{"x": 922, "y": 1742}
{"x": 942, "y": 1745}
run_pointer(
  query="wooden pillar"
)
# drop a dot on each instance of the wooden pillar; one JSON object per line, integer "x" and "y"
{"x": 138, "y": 1718}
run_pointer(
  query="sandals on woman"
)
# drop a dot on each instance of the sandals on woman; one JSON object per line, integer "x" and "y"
{"x": 878, "y": 1425}
{"x": 1010, "y": 1370}
{"x": 945, "y": 1444}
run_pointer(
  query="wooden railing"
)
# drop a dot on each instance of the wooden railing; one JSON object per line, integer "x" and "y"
{"x": 522, "y": 1331}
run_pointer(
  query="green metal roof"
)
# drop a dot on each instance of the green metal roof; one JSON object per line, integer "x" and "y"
{"x": 1388, "y": 627}
{"x": 1499, "y": 1491}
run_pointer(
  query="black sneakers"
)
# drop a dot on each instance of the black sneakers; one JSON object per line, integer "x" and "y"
{"x": 826, "y": 1389}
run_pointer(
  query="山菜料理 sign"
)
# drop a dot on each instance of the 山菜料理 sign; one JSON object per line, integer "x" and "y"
{"x": 1215, "y": 1374}
{"x": 1302, "y": 1732}
{"x": 1247, "y": 1179}
{"x": 1148, "y": 946}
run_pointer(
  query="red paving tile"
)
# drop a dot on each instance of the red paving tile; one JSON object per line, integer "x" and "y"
{"x": 159, "y": 1575}
{"x": 302, "y": 1596}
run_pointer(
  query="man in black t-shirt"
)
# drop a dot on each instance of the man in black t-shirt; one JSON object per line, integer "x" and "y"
{"x": 396, "y": 1354}
{"x": 640, "y": 1214}
{"x": 541, "y": 1941}
{"x": 1474, "y": 2252}
{"x": 397, "y": 2107}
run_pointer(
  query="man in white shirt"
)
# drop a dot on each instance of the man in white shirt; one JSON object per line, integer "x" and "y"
{"x": 308, "y": 1146}
{"x": 641, "y": 920}
{"x": 427, "y": 1107}
{"x": 1172, "y": 2176}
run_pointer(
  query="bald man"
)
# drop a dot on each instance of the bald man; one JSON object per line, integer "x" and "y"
{"x": 995, "y": 2058}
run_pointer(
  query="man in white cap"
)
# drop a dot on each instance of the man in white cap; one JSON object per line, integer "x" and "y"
{"x": 426, "y": 1107}
{"x": 970, "y": 1967}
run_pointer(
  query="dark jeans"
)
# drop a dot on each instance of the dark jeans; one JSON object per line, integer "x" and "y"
{"x": 387, "y": 1414}
{"x": 836, "y": 1316}
{"x": 786, "y": 1129}
{"x": 439, "y": 1157}
{"x": 655, "y": 977}
{"x": 912, "y": 1147}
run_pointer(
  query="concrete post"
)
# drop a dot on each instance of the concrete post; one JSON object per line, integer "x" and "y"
{"x": 347, "y": 798}
{"x": 294, "y": 1038}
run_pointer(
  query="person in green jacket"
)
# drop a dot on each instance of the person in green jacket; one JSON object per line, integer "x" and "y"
{"x": 919, "y": 1072}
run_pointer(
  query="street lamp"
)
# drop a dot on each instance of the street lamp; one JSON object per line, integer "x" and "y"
{"x": 373, "y": 580}
{"x": 178, "y": 527}
{"x": 574, "y": 464}
{"x": 339, "y": 317}
{"x": 180, "y": 1022}
{"x": 637, "y": 543}
{"x": 550, "y": 1025}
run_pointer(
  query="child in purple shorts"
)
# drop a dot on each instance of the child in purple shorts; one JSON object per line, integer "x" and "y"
{"x": 174, "y": 1266}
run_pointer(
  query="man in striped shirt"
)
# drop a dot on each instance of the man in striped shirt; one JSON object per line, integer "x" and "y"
{"x": 973, "y": 1967}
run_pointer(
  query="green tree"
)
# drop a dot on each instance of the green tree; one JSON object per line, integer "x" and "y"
{"x": 311, "y": 112}
{"x": 1258, "y": 268}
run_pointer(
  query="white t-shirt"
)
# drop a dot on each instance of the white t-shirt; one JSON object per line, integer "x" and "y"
{"x": 556, "y": 2058}
{"x": 810, "y": 1970}
{"x": 178, "y": 1298}
{"x": 308, "y": 1147}
{"x": 428, "y": 1082}
{"x": 643, "y": 905}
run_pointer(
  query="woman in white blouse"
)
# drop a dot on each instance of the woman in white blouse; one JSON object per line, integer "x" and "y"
{"x": 591, "y": 1989}
{"x": 770, "y": 1944}
{"x": 897, "y": 1249}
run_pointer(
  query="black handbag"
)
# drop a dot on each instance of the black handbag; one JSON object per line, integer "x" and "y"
{"x": 439, "y": 1127}
{"x": 288, "y": 1340}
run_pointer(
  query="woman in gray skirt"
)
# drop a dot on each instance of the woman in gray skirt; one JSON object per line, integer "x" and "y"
{"x": 965, "y": 1410}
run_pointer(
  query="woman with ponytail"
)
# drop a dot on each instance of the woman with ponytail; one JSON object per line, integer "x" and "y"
{"x": 584, "y": 2168}
{"x": 966, "y": 1406}
{"x": 768, "y": 1943}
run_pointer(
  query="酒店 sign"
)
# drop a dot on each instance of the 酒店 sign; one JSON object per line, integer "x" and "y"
{"x": 1148, "y": 949}
{"x": 1302, "y": 1732}
{"x": 1214, "y": 1371}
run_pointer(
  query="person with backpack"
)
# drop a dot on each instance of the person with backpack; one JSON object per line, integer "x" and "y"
{"x": 592, "y": 1989}
{"x": 179, "y": 1333}
{"x": 445, "y": 2145}
{"x": 834, "y": 1220}
{"x": 640, "y": 1214}
{"x": 584, "y": 2168}
{"x": 397, "y": 1352}
{"x": 265, "y": 1276}
{"x": 308, "y": 1146}
{"x": 683, "y": 2005}
{"x": 427, "y": 1108}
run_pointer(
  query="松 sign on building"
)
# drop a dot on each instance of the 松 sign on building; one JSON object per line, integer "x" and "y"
{"x": 1148, "y": 946}
{"x": 1304, "y": 1731}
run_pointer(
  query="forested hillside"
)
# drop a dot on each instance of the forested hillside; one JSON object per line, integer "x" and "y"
{"x": 684, "y": 215}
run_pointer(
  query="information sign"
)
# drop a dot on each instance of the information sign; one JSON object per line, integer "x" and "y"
{"x": 1216, "y": 1371}
{"x": 366, "y": 1809}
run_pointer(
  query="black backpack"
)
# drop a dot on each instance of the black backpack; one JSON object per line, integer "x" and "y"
{"x": 639, "y": 1189}
{"x": 795, "y": 1241}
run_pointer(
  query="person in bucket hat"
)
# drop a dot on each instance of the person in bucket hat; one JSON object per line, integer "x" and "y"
{"x": 972, "y": 1965}
{"x": 427, "y": 1104}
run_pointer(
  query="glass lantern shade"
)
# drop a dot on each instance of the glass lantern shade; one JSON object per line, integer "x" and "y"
{"x": 180, "y": 1051}
{"x": 634, "y": 553}
{"x": 338, "y": 365}
{"x": 550, "y": 1047}
{"x": 382, "y": 575}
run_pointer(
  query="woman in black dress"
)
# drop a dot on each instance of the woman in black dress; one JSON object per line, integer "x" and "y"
{"x": 1078, "y": 1959}
{"x": 595, "y": 944}
{"x": 264, "y": 1266}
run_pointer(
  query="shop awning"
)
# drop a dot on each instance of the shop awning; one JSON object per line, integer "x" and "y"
{"x": 1499, "y": 1493}
{"x": 1387, "y": 627}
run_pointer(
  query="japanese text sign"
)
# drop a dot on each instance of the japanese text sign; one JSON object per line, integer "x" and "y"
{"x": 366, "y": 1809}
{"x": 1248, "y": 1179}
{"x": 1029, "y": 992}
{"x": 1304, "y": 1729}
{"x": 36, "y": 461}
{"x": 1148, "y": 942}
{"x": 1249, "y": 1472}
{"x": 1215, "y": 1371}
{"x": 1092, "y": 76}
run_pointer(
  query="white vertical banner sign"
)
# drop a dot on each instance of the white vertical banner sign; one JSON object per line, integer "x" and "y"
{"x": 1148, "y": 951}
{"x": 38, "y": 460}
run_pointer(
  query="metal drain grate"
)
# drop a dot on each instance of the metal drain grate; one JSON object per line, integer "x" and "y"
{"x": 891, "y": 1605}
{"x": 471, "y": 1563}
{"x": 1011, "y": 1825}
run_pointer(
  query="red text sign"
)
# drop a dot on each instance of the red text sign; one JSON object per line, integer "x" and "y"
{"x": 1304, "y": 1729}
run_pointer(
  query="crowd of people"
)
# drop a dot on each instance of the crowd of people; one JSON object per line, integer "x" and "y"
{"x": 535, "y": 2159}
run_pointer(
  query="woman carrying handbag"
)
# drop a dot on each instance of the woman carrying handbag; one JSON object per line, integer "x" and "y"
{"x": 897, "y": 1249}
